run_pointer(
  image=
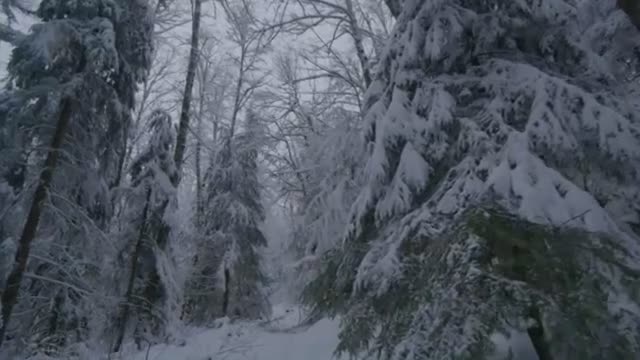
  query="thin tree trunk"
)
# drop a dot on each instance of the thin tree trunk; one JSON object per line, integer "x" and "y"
{"x": 53, "y": 326}
{"x": 215, "y": 130}
{"x": 126, "y": 306}
{"x": 225, "y": 295}
{"x": 199, "y": 176}
{"x": 356, "y": 34}
{"x": 127, "y": 148}
{"x": 10, "y": 295}
{"x": 122, "y": 159}
{"x": 188, "y": 89}
{"x": 199, "y": 205}
{"x": 238, "y": 94}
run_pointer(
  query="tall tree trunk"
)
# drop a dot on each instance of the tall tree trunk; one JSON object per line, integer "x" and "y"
{"x": 199, "y": 206}
{"x": 188, "y": 89}
{"x": 10, "y": 295}
{"x": 154, "y": 285}
{"x": 126, "y": 306}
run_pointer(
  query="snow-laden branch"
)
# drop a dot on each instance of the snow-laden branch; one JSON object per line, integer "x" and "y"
{"x": 10, "y": 35}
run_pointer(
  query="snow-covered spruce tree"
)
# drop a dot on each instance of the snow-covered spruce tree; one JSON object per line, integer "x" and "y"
{"x": 72, "y": 86}
{"x": 502, "y": 190}
{"x": 153, "y": 174}
{"x": 227, "y": 279}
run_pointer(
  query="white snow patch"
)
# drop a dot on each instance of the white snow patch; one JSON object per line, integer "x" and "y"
{"x": 252, "y": 341}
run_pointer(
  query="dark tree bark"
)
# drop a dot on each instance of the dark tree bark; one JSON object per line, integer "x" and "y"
{"x": 183, "y": 128}
{"x": 126, "y": 306}
{"x": 225, "y": 295}
{"x": 10, "y": 295}
{"x": 122, "y": 158}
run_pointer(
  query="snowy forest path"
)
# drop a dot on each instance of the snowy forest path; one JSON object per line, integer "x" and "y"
{"x": 242, "y": 340}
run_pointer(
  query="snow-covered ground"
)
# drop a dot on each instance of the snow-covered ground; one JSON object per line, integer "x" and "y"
{"x": 280, "y": 340}
{"x": 277, "y": 340}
